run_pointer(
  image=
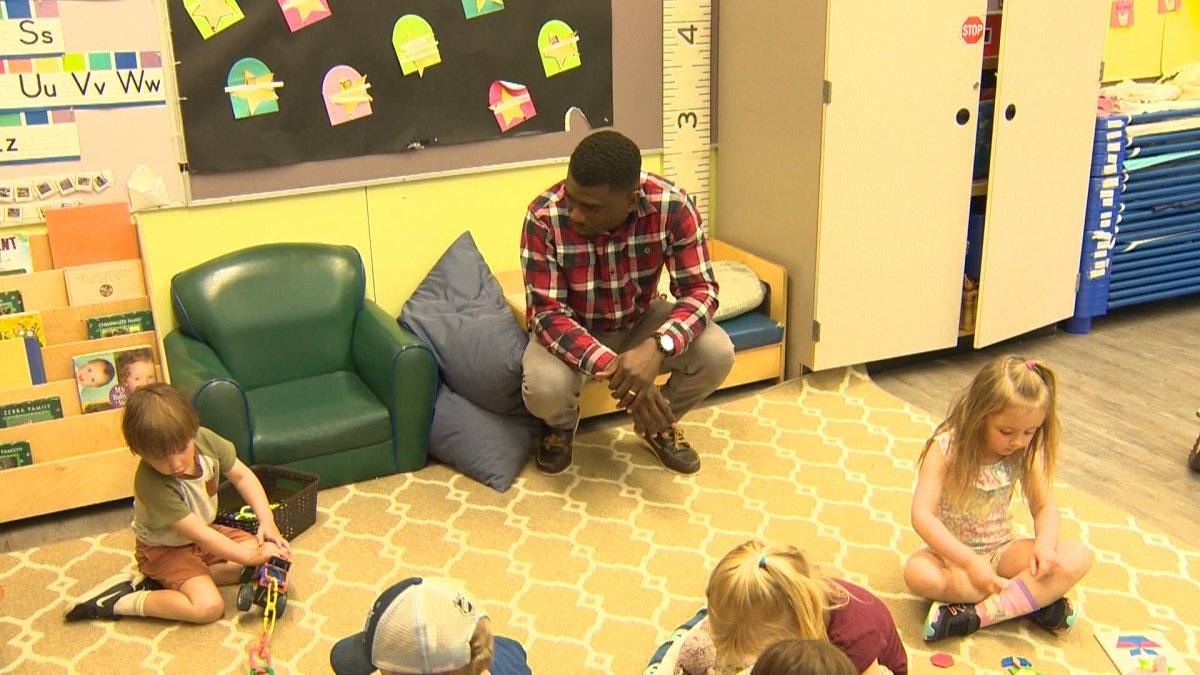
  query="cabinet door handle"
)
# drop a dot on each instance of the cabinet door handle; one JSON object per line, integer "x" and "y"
{"x": 1010, "y": 111}
{"x": 963, "y": 116}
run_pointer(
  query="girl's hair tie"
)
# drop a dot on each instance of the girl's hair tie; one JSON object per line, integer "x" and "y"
{"x": 762, "y": 561}
{"x": 1031, "y": 364}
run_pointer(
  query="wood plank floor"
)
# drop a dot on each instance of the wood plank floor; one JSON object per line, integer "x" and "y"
{"x": 1129, "y": 391}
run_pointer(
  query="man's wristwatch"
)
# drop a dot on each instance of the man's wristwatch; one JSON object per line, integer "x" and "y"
{"x": 665, "y": 343}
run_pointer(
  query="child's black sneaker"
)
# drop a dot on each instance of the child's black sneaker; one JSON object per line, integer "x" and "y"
{"x": 103, "y": 600}
{"x": 147, "y": 584}
{"x": 950, "y": 620}
{"x": 1057, "y": 617}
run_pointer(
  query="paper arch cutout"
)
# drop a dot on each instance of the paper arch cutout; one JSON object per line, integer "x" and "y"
{"x": 415, "y": 44}
{"x": 511, "y": 103}
{"x": 251, "y": 87}
{"x": 558, "y": 45}
{"x": 346, "y": 97}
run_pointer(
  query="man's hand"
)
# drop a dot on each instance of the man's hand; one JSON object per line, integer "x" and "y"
{"x": 634, "y": 371}
{"x": 651, "y": 413}
{"x": 631, "y": 378}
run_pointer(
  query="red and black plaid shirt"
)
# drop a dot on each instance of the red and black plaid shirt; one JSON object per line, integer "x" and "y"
{"x": 575, "y": 284}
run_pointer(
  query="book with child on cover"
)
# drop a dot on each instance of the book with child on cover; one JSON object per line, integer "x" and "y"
{"x": 28, "y": 412}
{"x": 106, "y": 379}
{"x": 137, "y": 321}
{"x": 22, "y": 325}
{"x": 14, "y": 454}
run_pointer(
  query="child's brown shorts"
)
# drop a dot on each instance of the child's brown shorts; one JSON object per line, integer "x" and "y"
{"x": 173, "y": 565}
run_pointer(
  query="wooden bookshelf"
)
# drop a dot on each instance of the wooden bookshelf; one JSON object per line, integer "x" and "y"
{"x": 80, "y": 459}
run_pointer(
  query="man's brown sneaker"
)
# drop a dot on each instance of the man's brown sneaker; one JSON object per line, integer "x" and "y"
{"x": 556, "y": 449}
{"x": 674, "y": 452}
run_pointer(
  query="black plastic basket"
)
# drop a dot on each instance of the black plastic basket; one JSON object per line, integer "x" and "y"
{"x": 294, "y": 491}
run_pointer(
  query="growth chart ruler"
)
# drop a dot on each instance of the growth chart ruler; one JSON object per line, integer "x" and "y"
{"x": 687, "y": 96}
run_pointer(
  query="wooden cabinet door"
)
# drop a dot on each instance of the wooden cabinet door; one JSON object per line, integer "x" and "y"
{"x": 895, "y": 179}
{"x": 1048, "y": 80}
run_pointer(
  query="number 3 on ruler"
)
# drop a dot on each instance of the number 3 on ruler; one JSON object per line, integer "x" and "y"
{"x": 687, "y": 36}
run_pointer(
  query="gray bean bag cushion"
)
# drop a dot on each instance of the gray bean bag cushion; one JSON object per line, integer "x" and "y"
{"x": 459, "y": 310}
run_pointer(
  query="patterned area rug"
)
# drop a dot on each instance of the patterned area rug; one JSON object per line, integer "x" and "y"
{"x": 591, "y": 570}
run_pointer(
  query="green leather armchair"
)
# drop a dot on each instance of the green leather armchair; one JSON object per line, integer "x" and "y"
{"x": 281, "y": 353}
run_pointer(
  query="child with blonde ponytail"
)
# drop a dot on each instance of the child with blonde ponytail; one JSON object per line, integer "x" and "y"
{"x": 1001, "y": 432}
{"x": 762, "y": 593}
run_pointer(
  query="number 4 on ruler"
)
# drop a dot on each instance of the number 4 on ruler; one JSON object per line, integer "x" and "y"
{"x": 687, "y": 112}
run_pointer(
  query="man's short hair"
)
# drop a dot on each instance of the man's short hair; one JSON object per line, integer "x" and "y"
{"x": 158, "y": 421}
{"x": 606, "y": 158}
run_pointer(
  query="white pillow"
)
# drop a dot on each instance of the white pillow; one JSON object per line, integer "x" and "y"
{"x": 741, "y": 291}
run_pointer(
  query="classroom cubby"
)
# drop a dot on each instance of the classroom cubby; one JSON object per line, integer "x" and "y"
{"x": 80, "y": 459}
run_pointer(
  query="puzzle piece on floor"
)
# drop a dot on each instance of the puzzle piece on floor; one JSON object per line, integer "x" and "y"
{"x": 1141, "y": 651}
{"x": 1018, "y": 665}
{"x": 942, "y": 660}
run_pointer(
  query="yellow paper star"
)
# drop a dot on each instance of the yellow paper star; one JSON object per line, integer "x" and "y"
{"x": 353, "y": 94}
{"x": 306, "y": 7}
{"x": 480, "y": 3}
{"x": 213, "y": 11}
{"x": 560, "y": 50}
{"x": 509, "y": 107}
{"x": 257, "y": 91}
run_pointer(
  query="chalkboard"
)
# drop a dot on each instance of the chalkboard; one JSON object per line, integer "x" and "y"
{"x": 624, "y": 92}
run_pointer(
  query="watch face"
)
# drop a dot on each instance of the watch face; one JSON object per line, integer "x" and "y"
{"x": 666, "y": 343}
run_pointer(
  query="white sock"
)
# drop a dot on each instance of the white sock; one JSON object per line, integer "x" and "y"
{"x": 131, "y": 604}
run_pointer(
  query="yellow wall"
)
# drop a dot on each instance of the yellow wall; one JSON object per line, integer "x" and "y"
{"x": 400, "y": 229}
{"x": 1155, "y": 44}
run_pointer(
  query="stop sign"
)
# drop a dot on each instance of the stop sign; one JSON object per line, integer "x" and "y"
{"x": 972, "y": 30}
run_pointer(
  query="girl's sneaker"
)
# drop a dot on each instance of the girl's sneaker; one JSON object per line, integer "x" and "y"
{"x": 1057, "y": 617}
{"x": 950, "y": 620}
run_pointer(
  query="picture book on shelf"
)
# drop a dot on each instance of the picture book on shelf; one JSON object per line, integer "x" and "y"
{"x": 104, "y": 282}
{"x": 106, "y": 379}
{"x": 19, "y": 326}
{"x": 91, "y": 234}
{"x": 15, "y": 255}
{"x": 14, "y": 454}
{"x": 109, "y": 325}
{"x": 28, "y": 412}
{"x": 11, "y": 302}
{"x": 14, "y": 368}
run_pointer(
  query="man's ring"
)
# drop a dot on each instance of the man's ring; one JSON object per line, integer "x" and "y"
{"x": 633, "y": 392}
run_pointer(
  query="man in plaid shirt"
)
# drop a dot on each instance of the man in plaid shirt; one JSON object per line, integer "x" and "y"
{"x": 592, "y": 250}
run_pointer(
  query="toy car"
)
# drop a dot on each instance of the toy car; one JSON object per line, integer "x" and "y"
{"x": 256, "y": 581}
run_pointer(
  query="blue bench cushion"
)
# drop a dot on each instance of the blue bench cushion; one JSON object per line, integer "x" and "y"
{"x": 751, "y": 330}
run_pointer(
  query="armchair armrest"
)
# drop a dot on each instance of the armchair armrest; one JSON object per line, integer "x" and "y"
{"x": 197, "y": 372}
{"x": 403, "y": 374}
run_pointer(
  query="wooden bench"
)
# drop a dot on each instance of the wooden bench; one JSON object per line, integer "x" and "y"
{"x": 753, "y": 364}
